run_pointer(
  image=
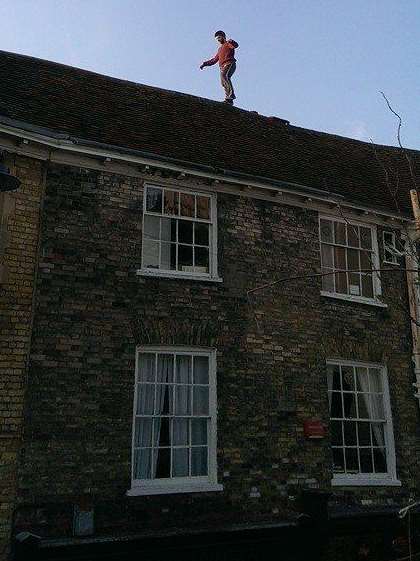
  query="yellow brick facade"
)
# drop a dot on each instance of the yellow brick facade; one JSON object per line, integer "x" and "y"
{"x": 19, "y": 235}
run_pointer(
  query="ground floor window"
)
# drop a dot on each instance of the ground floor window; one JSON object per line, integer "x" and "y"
{"x": 174, "y": 425}
{"x": 360, "y": 422}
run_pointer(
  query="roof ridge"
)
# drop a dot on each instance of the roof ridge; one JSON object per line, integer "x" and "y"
{"x": 112, "y": 78}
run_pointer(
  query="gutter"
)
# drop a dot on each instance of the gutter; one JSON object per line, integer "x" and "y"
{"x": 71, "y": 143}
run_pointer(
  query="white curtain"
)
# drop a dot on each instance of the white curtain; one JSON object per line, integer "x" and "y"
{"x": 145, "y": 406}
{"x": 181, "y": 426}
{"x": 373, "y": 403}
{"x": 164, "y": 375}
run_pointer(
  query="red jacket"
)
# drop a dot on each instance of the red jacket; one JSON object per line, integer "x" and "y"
{"x": 225, "y": 54}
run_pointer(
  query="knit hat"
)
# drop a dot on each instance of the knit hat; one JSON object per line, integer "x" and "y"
{"x": 220, "y": 32}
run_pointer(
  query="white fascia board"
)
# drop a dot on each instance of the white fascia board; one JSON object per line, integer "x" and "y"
{"x": 70, "y": 146}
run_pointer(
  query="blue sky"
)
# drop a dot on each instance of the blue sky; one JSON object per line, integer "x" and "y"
{"x": 319, "y": 64}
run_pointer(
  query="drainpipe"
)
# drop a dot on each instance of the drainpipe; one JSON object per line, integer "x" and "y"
{"x": 412, "y": 265}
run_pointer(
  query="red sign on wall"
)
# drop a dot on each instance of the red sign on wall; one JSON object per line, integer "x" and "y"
{"x": 313, "y": 428}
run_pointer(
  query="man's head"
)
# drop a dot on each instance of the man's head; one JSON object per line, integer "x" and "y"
{"x": 220, "y": 36}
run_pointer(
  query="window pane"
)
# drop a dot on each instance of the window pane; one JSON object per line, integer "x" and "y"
{"x": 201, "y": 233}
{"x": 365, "y": 237}
{"x": 154, "y": 199}
{"x": 199, "y": 461}
{"x": 163, "y": 462}
{"x": 353, "y": 259}
{"x": 362, "y": 380}
{"x": 350, "y": 410}
{"x": 151, "y": 227}
{"x": 378, "y": 438}
{"x": 350, "y": 438}
{"x": 143, "y": 464}
{"x": 326, "y": 228}
{"x": 200, "y": 400}
{"x": 164, "y": 399}
{"x": 363, "y": 430}
{"x": 145, "y": 399}
{"x": 336, "y": 405}
{"x": 341, "y": 283}
{"x": 185, "y": 231}
{"x": 201, "y": 260}
{"x": 340, "y": 233}
{"x": 377, "y": 407}
{"x": 180, "y": 466}
{"x": 338, "y": 460}
{"x": 327, "y": 256}
{"x": 181, "y": 432}
{"x": 150, "y": 254}
{"x": 165, "y": 369}
{"x": 354, "y": 284}
{"x": 183, "y": 369}
{"x": 187, "y": 205}
{"x": 168, "y": 256}
{"x": 171, "y": 202}
{"x": 162, "y": 432}
{"x": 201, "y": 370}
{"x": 143, "y": 433}
{"x": 365, "y": 260}
{"x": 182, "y": 400}
{"x": 336, "y": 433}
{"x": 199, "y": 431}
{"x": 167, "y": 229}
{"x": 352, "y": 460}
{"x": 147, "y": 371}
{"x": 353, "y": 235}
{"x": 340, "y": 258}
{"x": 327, "y": 280}
{"x": 203, "y": 207}
{"x": 379, "y": 458}
{"x": 185, "y": 257}
{"x": 364, "y": 405}
{"x": 334, "y": 370}
{"x": 348, "y": 378}
{"x": 367, "y": 286}
{"x": 366, "y": 465}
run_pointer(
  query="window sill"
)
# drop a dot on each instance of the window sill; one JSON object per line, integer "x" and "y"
{"x": 350, "y": 298}
{"x": 173, "y": 275}
{"x": 365, "y": 482}
{"x": 173, "y": 489}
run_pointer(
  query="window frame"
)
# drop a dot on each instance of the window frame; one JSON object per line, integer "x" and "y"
{"x": 189, "y": 484}
{"x": 372, "y": 479}
{"x": 212, "y": 275}
{"x": 394, "y": 260}
{"x": 376, "y": 280}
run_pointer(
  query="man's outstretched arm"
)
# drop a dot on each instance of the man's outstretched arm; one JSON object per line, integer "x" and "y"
{"x": 211, "y": 61}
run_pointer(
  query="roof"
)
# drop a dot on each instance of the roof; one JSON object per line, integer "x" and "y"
{"x": 170, "y": 124}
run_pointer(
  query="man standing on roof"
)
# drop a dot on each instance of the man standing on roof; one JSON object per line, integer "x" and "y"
{"x": 225, "y": 56}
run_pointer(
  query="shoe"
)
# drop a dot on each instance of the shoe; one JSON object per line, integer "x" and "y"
{"x": 229, "y": 101}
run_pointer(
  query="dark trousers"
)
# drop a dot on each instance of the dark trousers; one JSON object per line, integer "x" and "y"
{"x": 226, "y": 73}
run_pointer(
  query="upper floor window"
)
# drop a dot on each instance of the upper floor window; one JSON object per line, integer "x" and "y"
{"x": 179, "y": 233}
{"x": 174, "y": 432}
{"x": 390, "y": 248}
{"x": 348, "y": 256}
{"x": 361, "y": 424}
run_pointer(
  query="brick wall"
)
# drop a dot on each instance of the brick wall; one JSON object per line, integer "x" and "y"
{"x": 92, "y": 310}
{"x": 19, "y": 212}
